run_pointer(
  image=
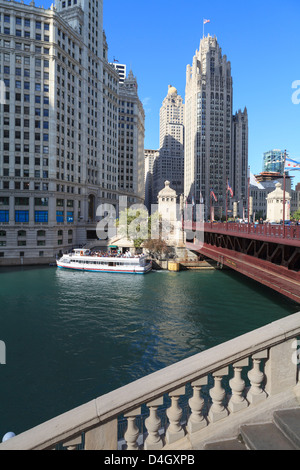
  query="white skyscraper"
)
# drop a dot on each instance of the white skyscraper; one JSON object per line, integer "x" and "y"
{"x": 131, "y": 141}
{"x": 170, "y": 163}
{"x": 59, "y": 124}
{"x": 210, "y": 156}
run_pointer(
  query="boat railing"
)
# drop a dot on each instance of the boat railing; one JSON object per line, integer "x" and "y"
{"x": 220, "y": 388}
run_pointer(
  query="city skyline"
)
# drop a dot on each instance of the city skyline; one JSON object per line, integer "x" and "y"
{"x": 260, "y": 40}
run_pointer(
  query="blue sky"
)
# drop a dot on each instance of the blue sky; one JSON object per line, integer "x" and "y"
{"x": 158, "y": 38}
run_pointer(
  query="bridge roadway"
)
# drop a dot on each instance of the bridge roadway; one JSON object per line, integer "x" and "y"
{"x": 269, "y": 254}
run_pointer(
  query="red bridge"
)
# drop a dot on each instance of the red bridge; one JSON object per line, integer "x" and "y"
{"x": 269, "y": 254}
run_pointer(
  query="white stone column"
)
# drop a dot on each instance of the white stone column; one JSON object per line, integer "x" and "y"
{"x": 256, "y": 394}
{"x": 175, "y": 431}
{"x": 217, "y": 410}
{"x": 196, "y": 420}
{"x": 153, "y": 425}
{"x": 132, "y": 431}
{"x": 237, "y": 401}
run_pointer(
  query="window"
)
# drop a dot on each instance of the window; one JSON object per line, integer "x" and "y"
{"x": 4, "y": 216}
{"x": 21, "y": 201}
{"x": 41, "y": 216}
{"x": 70, "y": 217}
{"x": 41, "y": 201}
{"x": 41, "y": 233}
{"x": 21, "y": 216}
{"x": 59, "y": 217}
{"x": 4, "y": 201}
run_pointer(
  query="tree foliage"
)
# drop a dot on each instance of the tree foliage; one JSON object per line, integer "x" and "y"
{"x": 296, "y": 215}
{"x": 134, "y": 224}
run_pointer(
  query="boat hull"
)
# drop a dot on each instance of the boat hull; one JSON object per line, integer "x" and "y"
{"x": 133, "y": 270}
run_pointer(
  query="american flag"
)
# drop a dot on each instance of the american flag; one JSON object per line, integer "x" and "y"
{"x": 229, "y": 189}
{"x": 206, "y": 21}
{"x": 213, "y": 195}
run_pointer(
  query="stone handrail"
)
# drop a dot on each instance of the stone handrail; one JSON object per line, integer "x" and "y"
{"x": 270, "y": 346}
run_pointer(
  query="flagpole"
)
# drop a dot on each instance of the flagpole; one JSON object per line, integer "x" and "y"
{"x": 284, "y": 188}
{"x": 226, "y": 201}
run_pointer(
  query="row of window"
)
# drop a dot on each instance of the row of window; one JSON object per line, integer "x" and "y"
{"x": 39, "y": 216}
{"x": 25, "y": 21}
{"x": 26, "y": 34}
{"x": 26, "y": 85}
{"x": 26, "y": 99}
{"x": 39, "y": 233}
{"x": 38, "y": 243}
{"x": 7, "y": 69}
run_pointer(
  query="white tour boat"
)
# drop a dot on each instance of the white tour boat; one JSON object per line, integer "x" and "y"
{"x": 84, "y": 260}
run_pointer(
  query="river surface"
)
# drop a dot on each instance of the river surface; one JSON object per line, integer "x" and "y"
{"x": 73, "y": 336}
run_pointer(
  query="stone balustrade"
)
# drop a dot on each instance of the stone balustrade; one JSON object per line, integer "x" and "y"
{"x": 221, "y": 387}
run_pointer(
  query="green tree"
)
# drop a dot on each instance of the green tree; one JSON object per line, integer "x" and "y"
{"x": 296, "y": 215}
{"x": 135, "y": 225}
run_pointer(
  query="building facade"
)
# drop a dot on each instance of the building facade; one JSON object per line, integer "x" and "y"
{"x": 150, "y": 158}
{"x": 239, "y": 155}
{"x": 216, "y": 147}
{"x": 273, "y": 160}
{"x": 131, "y": 142}
{"x": 59, "y": 128}
{"x": 170, "y": 163}
{"x": 121, "y": 69}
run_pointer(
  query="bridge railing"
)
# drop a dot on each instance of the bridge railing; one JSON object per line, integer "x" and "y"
{"x": 215, "y": 385}
{"x": 291, "y": 232}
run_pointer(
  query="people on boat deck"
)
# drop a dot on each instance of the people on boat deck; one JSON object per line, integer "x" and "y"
{"x": 105, "y": 254}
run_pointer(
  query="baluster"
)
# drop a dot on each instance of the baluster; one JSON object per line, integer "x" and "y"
{"x": 153, "y": 424}
{"x": 217, "y": 410}
{"x": 237, "y": 401}
{"x": 256, "y": 394}
{"x": 132, "y": 431}
{"x": 175, "y": 431}
{"x": 196, "y": 420}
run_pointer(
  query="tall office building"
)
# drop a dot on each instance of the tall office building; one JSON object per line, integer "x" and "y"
{"x": 121, "y": 69}
{"x": 59, "y": 128}
{"x": 169, "y": 166}
{"x": 131, "y": 142}
{"x": 239, "y": 165}
{"x": 210, "y": 156}
{"x": 150, "y": 158}
{"x": 273, "y": 160}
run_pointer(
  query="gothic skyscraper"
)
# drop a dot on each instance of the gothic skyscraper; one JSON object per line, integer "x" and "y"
{"x": 210, "y": 143}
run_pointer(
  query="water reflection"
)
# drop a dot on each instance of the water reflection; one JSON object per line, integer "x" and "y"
{"x": 72, "y": 336}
